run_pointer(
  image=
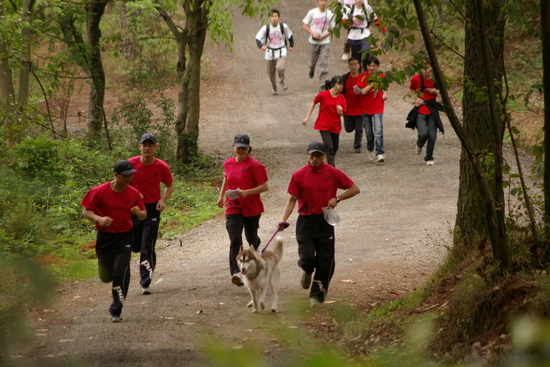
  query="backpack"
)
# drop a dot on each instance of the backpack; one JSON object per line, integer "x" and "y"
{"x": 364, "y": 12}
{"x": 282, "y": 32}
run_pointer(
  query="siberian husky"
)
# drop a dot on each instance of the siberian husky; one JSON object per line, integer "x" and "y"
{"x": 260, "y": 272}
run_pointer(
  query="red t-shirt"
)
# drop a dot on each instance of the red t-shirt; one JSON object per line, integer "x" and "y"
{"x": 314, "y": 187}
{"x": 244, "y": 175}
{"x": 372, "y": 103}
{"x": 105, "y": 202}
{"x": 328, "y": 118}
{"x": 416, "y": 87}
{"x": 353, "y": 101}
{"x": 147, "y": 179}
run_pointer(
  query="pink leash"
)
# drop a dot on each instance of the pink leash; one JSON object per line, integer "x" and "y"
{"x": 285, "y": 225}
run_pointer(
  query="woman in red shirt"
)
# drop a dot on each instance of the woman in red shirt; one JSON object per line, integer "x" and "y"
{"x": 332, "y": 105}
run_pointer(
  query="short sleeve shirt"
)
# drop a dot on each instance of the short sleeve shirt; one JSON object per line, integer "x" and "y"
{"x": 244, "y": 175}
{"x": 416, "y": 86}
{"x": 353, "y": 101}
{"x": 314, "y": 187}
{"x": 105, "y": 202}
{"x": 319, "y": 22}
{"x": 276, "y": 47}
{"x": 372, "y": 103}
{"x": 328, "y": 118}
{"x": 147, "y": 179}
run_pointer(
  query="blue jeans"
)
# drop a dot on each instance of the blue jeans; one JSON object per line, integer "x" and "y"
{"x": 375, "y": 135}
{"x": 427, "y": 130}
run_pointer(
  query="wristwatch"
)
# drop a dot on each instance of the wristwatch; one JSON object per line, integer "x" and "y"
{"x": 337, "y": 199}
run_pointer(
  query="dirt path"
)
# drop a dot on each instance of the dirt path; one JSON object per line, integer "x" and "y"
{"x": 389, "y": 240}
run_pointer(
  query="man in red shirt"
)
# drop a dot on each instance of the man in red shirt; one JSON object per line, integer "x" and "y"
{"x": 315, "y": 186}
{"x": 372, "y": 104}
{"x": 110, "y": 207}
{"x": 151, "y": 172}
{"x": 353, "y": 116}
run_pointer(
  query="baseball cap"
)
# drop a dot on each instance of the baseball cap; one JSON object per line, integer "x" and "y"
{"x": 124, "y": 168}
{"x": 242, "y": 141}
{"x": 316, "y": 146}
{"x": 148, "y": 136}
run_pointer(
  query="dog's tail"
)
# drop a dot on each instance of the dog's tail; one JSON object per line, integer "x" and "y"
{"x": 278, "y": 250}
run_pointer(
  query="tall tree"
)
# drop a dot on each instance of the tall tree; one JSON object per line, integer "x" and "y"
{"x": 545, "y": 32}
{"x": 483, "y": 121}
{"x": 201, "y": 16}
{"x": 15, "y": 56}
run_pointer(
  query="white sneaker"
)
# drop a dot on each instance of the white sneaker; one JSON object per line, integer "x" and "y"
{"x": 145, "y": 290}
{"x": 314, "y": 302}
{"x": 345, "y": 56}
{"x": 429, "y": 163}
{"x": 116, "y": 318}
{"x": 284, "y": 86}
{"x": 380, "y": 158}
{"x": 274, "y": 92}
{"x": 418, "y": 149}
{"x": 370, "y": 156}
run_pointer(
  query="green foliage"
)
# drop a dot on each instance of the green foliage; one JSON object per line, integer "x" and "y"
{"x": 25, "y": 284}
{"x": 134, "y": 118}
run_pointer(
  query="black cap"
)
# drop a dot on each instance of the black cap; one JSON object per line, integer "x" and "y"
{"x": 316, "y": 146}
{"x": 148, "y": 136}
{"x": 124, "y": 168}
{"x": 242, "y": 141}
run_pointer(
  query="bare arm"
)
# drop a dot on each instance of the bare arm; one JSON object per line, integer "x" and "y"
{"x": 349, "y": 193}
{"x": 311, "y": 107}
{"x": 161, "y": 203}
{"x": 257, "y": 190}
{"x": 140, "y": 214}
{"x": 92, "y": 216}
{"x": 223, "y": 189}
{"x": 289, "y": 208}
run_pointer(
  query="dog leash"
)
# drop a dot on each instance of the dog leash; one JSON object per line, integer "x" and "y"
{"x": 285, "y": 225}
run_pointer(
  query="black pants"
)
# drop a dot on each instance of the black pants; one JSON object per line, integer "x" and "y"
{"x": 316, "y": 250}
{"x": 235, "y": 223}
{"x": 113, "y": 252}
{"x": 332, "y": 143}
{"x": 355, "y": 123}
{"x": 145, "y": 239}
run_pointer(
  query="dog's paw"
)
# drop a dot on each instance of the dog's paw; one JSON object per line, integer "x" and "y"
{"x": 254, "y": 310}
{"x": 274, "y": 310}
{"x": 250, "y": 304}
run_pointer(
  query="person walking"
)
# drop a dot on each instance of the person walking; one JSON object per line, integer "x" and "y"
{"x": 244, "y": 180}
{"x": 372, "y": 104}
{"x": 314, "y": 187}
{"x": 428, "y": 120}
{"x": 151, "y": 172}
{"x": 110, "y": 206}
{"x": 273, "y": 40}
{"x": 318, "y": 22}
{"x": 353, "y": 116}
{"x": 332, "y": 106}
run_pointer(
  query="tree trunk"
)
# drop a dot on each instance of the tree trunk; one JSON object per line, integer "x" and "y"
{"x": 25, "y": 72}
{"x": 545, "y": 27}
{"x": 485, "y": 135}
{"x": 495, "y": 227}
{"x": 190, "y": 42}
{"x": 94, "y": 11}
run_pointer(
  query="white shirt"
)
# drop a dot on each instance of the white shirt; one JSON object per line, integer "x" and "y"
{"x": 275, "y": 41}
{"x": 319, "y": 23}
{"x": 359, "y": 28}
